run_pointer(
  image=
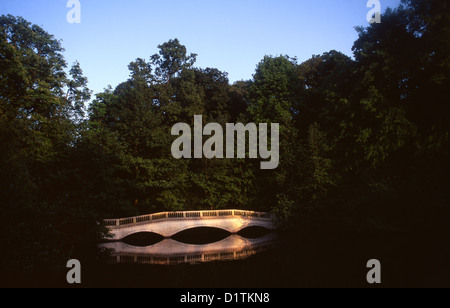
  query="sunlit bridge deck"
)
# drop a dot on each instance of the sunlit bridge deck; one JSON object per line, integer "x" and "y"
{"x": 168, "y": 224}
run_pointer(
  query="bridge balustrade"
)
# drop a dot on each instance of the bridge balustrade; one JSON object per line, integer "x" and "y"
{"x": 112, "y": 223}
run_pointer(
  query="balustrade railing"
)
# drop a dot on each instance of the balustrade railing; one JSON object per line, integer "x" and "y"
{"x": 185, "y": 215}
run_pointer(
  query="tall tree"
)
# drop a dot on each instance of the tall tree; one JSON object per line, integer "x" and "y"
{"x": 171, "y": 60}
{"x": 38, "y": 132}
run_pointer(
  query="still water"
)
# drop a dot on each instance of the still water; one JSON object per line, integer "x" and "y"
{"x": 171, "y": 252}
{"x": 301, "y": 258}
{"x": 201, "y": 257}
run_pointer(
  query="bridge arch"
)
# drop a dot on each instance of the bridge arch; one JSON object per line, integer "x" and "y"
{"x": 170, "y": 223}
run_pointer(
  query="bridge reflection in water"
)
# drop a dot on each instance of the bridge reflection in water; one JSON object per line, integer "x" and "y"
{"x": 171, "y": 252}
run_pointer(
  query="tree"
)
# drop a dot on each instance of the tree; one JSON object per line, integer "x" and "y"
{"x": 318, "y": 176}
{"x": 171, "y": 60}
{"x": 216, "y": 88}
{"x": 271, "y": 99}
{"x": 78, "y": 92}
{"x": 39, "y": 129}
{"x": 325, "y": 81}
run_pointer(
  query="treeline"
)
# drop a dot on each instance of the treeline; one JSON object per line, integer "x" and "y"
{"x": 364, "y": 140}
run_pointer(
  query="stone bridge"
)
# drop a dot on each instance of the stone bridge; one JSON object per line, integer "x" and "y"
{"x": 170, "y": 223}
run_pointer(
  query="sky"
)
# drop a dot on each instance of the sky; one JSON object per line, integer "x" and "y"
{"x": 230, "y": 35}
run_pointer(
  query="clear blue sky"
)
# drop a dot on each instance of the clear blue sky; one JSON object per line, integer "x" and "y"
{"x": 231, "y": 35}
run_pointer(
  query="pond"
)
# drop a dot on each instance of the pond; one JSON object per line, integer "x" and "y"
{"x": 254, "y": 258}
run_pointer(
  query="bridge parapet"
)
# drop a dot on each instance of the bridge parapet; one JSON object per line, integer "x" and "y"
{"x": 130, "y": 221}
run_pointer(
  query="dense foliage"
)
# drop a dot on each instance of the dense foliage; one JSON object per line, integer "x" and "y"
{"x": 364, "y": 140}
